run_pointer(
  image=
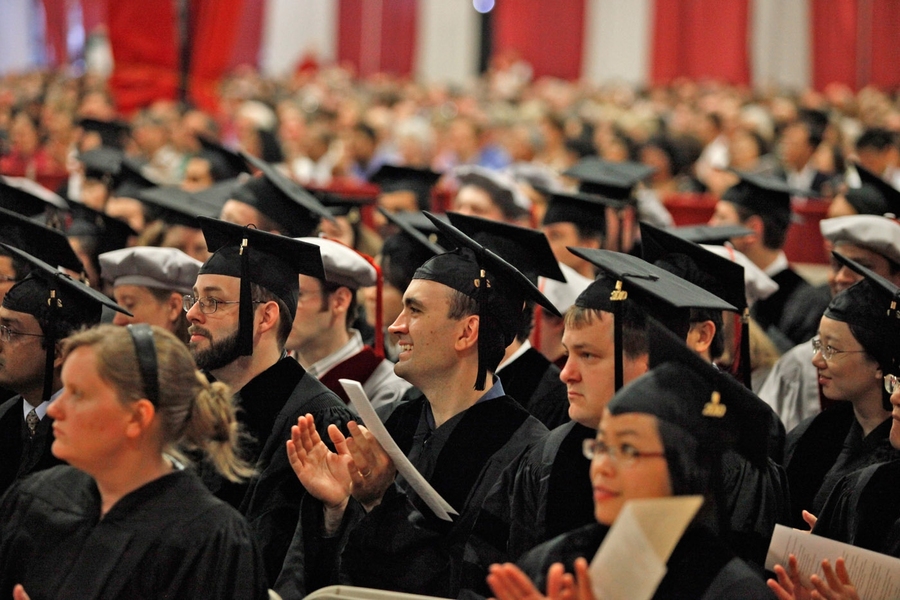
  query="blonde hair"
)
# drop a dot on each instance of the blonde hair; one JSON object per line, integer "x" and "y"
{"x": 194, "y": 414}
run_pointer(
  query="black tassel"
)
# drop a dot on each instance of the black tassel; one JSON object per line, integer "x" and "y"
{"x": 50, "y": 340}
{"x": 481, "y": 296}
{"x": 245, "y": 312}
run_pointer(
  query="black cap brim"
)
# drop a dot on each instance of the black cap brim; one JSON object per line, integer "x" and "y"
{"x": 42, "y": 242}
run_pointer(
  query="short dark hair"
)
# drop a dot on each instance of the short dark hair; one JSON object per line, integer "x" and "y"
{"x": 775, "y": 227}
{"x": 285, "y": 322}
{"x": 700, "y": 315}
{"x": 330, "y": 288}
{"x": 635, "y": 342}
{"x": 876, "y": 138}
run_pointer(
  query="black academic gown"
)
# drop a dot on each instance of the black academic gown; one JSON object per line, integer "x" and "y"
{"x": 168, "y": 539}
{"x": 534, "y": 382}
{"x": 271, "y": 403}
{"x": 700, "y": 568}
{"x": 785, "y": 314}
{"x": 400, "y": 545}
{"x": 544, "y": 493}
{"x": 823, "y": 449}
{"x": 20, "y": 454}
{"x": 864, "y": 509}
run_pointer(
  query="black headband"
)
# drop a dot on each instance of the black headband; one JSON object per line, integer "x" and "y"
{"x": 145, "y": 348}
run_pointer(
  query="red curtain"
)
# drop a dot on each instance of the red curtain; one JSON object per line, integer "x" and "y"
{"x": 389, "y": 24}
{"x": 144, "y": 45}
{"x": 56, "y": 31}
{"x": 885, "y": 44}
{"x": 249, "y": 36}
{"x": 834, "y": 42}
{"x": 214, "y": 28}
{"x": 701, "y": 39}
{"x": 548, "y": 35}
{"x": 93, "y": 14}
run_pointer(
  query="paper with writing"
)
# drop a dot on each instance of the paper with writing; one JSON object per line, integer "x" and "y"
{"x": 412, "y": 476}
{"x": 631, "y": 561}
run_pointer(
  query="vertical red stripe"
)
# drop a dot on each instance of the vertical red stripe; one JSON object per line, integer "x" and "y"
{"x": 215, "y": 24}
{"x": 548, "y": 35}
{"x": 701, "y": 39}
{"x": 93, "y": 14}
{"x": 834, "y": 42}
{"x": 55, "y": 31}
{"x": 349, "y": 32}
{"x": 248, "y": 44}
{"x": 389, "y": 25}
{"x": 398, "y": 36}
{"x": 885, "y": 43}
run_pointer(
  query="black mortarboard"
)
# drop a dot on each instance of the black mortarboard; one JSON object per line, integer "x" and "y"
{"x": 175, "y": 206}
{"x": 131, "y": 181}
{"x": 710, "y": 234}
{"x": 103, "y": 164}
{"x": 295, "y": 210}
{"x": 223, "y": 163}
{"x": 614, "y": 180}
{"x": 393, "y": 178}
{"x": 417, "y": 227}
{"x": 585, "y": 210}
{"x": 59, "y": 302}
{"x": 528, "y": 250}
{"x": 764, "y": 195}
{"x": 664, "y": 295}
{"x": 269, "y": 260}
{"x": 499, "y": 289}
{"x": 684, "y": 390}
{"x": 865, "y": 202}
{"x": 49, "y": 245}
{"x": 111, "y": 233}
{"x": 343, "y": 205}
{"x": 26, "y": 197}
{"x": 712, "y": 272}
{"x": 112, "y": 133}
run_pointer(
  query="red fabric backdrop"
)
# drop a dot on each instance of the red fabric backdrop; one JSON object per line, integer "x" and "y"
{"x": 389, "y": 25}
{"x": 55, "y": 31}
{"x": 700, "y": 39}
{"x": 886, "y": 43}
{"x": 833, "y": 27}
{"x": 549, "y": 35}
{"x": 214, "y": 27}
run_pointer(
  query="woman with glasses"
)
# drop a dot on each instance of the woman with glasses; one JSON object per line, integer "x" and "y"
{"x": 852, "y": 353}
{"x": 657, "y": 440}
{"x": 126, "y": 520}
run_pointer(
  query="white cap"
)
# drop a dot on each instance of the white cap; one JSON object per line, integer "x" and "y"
{"x": 757, "y": 285}
{"x": 875, "y": 233}
{"x": 152, "y": 267}
{"x": 343, "y": 265}
{"x": 563, "y": 295}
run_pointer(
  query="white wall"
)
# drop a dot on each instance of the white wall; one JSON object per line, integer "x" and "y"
{"x": 780, "y": 43}
{"x": 291, "y": 27}
{"x": 448, "y": 41}
{"x": 617, "y": 40}
{"x": 17, "y": 51}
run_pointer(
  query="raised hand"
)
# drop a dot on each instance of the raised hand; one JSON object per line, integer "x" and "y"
{"x": 322, "y": 472}
{"x": 837, "y": 585}
{"x": 508, "y": 582}
{"x": 788, "y": 586}
{"x": 371, "y": 469}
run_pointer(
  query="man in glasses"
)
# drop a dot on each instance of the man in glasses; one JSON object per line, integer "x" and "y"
{"x": 241, "y": 312}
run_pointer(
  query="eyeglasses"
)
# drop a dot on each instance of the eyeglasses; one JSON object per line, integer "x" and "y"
{"x": 891, "y": 383}
{"x": 208, "y": 304}
{"x": 828, "y": 351}
{"x": 8, "y": 335}
{"x": 625, "y": 455}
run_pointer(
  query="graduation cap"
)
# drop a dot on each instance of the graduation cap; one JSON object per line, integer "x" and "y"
{"x": 764, "y": 195}
{"x": 131, "y": 180}
{"x": 151, "y": 267}
{"x": 112, "y": 133}
{"x": 613, "y": 180}
{"x": 60, "y": 303}
{"x": 343, "y": 205}
{"x": 24, "y": 196}
{"x": 684, "y": 390}
{"x": 715, "y": 274}
{"x": 417, "y": 227}
{"x": 757, "y": 285}
{"x": 223, "y": 163}
{"x": 585, "y": 210}
{"x": 499, "y": 289}
{"x": 42, "y": 242}
{"x": 269, "y": 260}
{"x": 525, "y": 248}
{"x": 875, "y": 233}
{"x": 501, "y": 187}
{"x": 102, "y": 163}
{"x": 277, "y": 197}
{"x": 111, "y": 233}
{"x": 176, "y": 206}
{"x": 875, "y": 197}
{"x": 393, "y": 178}
{"x": 665, "y": 296}
{"x": 710, "y": 234}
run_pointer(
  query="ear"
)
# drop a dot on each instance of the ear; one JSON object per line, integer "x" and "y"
{"x": 175, "y": 307}
{"x": 142, "y": 414}
{"x": 467, "y": 333}
{"x": 267, "y": 316}
{"x": 340, "y": 302}
{"x": 755, "y": 223}
{"x": 700, "y": 336}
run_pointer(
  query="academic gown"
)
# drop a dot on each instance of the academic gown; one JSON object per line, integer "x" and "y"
{"x": 534, "y": 382}
{"x": 401, "y": 545}
{"x": 20, "y": 454}
{"x": 544, "y": 493}
{"x": 700, "y": 568}
{"x": 784, "y": 314}
{"x": 823, "y": 449}
{"x": 864, "y": 509}
{"x": 270, "y": 405}
{"x": 168, "y": 539}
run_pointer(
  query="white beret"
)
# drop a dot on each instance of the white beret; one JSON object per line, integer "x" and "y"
{"x": 148, "y": 266}
{"x": 757, "y": 285}
{"x": 343, "y": 265}
{"x": 875, "y": 233}
{"x": 564, "y": 294}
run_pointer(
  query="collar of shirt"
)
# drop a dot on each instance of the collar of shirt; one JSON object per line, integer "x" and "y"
{"x": 40, "y": 409}
{"x": 353, "y": 346}
{"x": 777, "y": 266}
{"x": 522, "y": 350}
{"x": 495, "y": 391}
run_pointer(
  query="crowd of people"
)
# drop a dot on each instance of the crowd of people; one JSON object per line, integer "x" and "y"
{"x": 183, "y": 292}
